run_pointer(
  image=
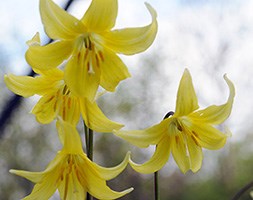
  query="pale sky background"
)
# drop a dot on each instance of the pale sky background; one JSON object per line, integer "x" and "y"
{"x": 192, "y": 33}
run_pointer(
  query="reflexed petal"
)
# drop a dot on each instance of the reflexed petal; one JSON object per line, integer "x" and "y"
{"x": 97, "y": 187}
{"x": 28, "y": 86}
{"x": 32, "y": 176}
{"x": 113, "y": 70}
{"x": 45, "y": 189}
{"x": 216, "y": 114}
{"x": 80, "y": 81}
{"x": 132, "y": 40}
{"x": 49, "y": 56}
{"x": 208, "y": 136}
{"x": 95, "y": 119}
{"x": 146, "y": 137}
{"x": 187, "y": 100}
{"x": 157, "y": 161}
{"x": 45, "y": 183}
{"x": 180, "y": 153}
{"x": 57, "y": 22}
{"x": 108, "y": 173}
{"x": 101, "y": 15}
{"x": 45, "y": 109}
{"x": 195, "y": 154}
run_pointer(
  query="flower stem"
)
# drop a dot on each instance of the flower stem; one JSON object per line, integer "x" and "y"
{"x": 89, "y": 148}
{"x": 156, "y": 185}
{"x": 242, "y": 191}
{"x": 156, "y": 174}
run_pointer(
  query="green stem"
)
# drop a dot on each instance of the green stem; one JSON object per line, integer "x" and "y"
{"x": 89, "y": 148}
{"x": 156, "y": 174}
{"x": 156, "y": 185}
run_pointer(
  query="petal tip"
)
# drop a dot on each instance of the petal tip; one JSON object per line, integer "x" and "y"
{"x": 151, "y": 10}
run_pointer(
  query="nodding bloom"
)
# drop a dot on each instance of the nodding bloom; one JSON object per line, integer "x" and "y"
{"x": 57, "y": 100}
{"x": 89, "y": 45}
{"x": 72, "y": 173}
{"x": 185, "y": 133}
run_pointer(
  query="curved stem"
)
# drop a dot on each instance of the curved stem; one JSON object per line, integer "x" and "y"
{"x": 156, "y": 174}
{"x": 242, "y": 191}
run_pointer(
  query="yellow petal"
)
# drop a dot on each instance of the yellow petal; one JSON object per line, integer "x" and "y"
{"x": 157, "y": 161}
{"x": 28, "y": 86}
{"x": 70, "y": 137}
{"x": 180, "y": 153}
{"x": 208, "y": 136}
{"x": 97, "y": 187}
{"x": 69, "y": 108}
{"x": 44, "y": 190}
{"x": 109, "y": 173}
{"x": 101, "y": 15}
{"x": 58, "y": 23}
{"x": 32, "y": 176}
{"x": 95, "y": 119}
{"x": 216, "y": 114}
{"x": 49, "y": 56}
{"x": 146, "y": 137}
{"x": 79, "y": 79}
{"x": 132, "y": 40}
{"x": 71, "y": 189}
{"x": 45, "y": 109}
{"x": 187, "y": 100}
{"x": 113, "y": 70}
{"x": 195, "y": 154}
{"x": 35, "y": 41}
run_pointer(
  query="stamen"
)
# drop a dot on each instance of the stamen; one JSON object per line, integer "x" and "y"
{"x": 100, "y": 53}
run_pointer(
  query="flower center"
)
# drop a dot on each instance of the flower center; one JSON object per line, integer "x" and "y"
{"x": 90, "y": 54}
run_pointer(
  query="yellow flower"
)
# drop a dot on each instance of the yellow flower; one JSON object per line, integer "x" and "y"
{"x": 185, "y": 133}
{"x": 57, "y": 99}
{"x": 89, "y": 45}
{"x": 72, "y": 173}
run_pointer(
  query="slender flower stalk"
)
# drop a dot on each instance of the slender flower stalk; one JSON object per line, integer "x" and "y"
{"x": 89, "y": 148}
{"x": 156, "y": 174}
{"x": 156, "y": 185}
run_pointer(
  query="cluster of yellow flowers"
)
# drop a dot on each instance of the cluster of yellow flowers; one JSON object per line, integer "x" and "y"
{"x": 82, "y": 58}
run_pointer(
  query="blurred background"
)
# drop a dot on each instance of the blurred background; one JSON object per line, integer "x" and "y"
{"x": 209, "y": 37}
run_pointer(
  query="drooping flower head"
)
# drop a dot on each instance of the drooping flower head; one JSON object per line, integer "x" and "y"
{"x": 185, "y": 133}
{"x": 72, "y": 173}
{"x": 57, "y": 100}
{"x": 89, "y": 45}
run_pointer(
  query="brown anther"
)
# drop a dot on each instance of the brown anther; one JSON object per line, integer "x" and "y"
{"x": 50, "y": 99}
{"x": 86, "y": 54}
{"x": 100, "y": 53}
{"x": 177, "y": 139}
{"x": 69, "y": 103}
{"x": 65, "y": 90}
{"x": 97, "y": 60}
{"x": 179, "y": 128}
{"x": 195, "y": 140}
